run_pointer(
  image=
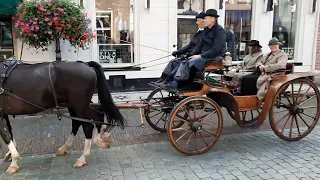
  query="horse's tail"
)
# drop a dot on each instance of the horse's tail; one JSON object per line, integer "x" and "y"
{"x": 105, "y": 97}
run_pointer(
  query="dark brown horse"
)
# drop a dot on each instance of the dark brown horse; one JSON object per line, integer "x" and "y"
{"x": 33, "y": 87}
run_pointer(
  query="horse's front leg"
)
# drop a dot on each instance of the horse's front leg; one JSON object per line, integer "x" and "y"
{"x": 6, "y": 135}
{"x": 88, "y": 130}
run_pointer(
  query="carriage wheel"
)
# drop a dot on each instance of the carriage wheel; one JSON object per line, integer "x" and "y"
{"x": 201, "y": 128}
{"x": 161, "y": 104}
{"x": 250, "y": 117}
{"x": 295, "y": 109}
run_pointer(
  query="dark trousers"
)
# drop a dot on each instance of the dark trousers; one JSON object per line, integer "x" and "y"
{"x": 249, "y": 84}
{"x": 172, "y": 67}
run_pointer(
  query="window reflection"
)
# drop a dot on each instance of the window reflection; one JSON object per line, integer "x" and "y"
{"x": 114, "y": 24}
{"x": 284, "y": 24}
{"x": 238, "y": 27}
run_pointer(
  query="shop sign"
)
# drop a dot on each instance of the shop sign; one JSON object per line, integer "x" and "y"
{"x": 107, "y": 55}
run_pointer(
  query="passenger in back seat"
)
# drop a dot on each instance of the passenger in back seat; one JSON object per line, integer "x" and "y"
{"x": 269, "y": 67}
{"x": 248, "y": 65}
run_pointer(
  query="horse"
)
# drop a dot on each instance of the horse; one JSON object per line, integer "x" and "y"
{"x": 34, "y": 88}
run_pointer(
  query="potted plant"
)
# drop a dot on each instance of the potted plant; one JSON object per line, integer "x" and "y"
{"x": 40, "y": 22}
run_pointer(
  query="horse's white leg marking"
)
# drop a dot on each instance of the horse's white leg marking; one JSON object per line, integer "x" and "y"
{"x": 102, "y": 142}
{"x": 82, "y": 160}
{"x": 8, "y": 153}
{"x": 63, "y": 149}
{"x": 15, "y": 158}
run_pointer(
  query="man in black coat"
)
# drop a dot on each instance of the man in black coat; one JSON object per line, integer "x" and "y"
{"x": 171, "y": 68}
{"x": 212, "y": 46}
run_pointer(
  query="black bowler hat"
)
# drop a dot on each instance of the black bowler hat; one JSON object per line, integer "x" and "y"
{"x": 254, "y": 43}
{"x": 201, "y": 15}
{"x": 212, "y": 12}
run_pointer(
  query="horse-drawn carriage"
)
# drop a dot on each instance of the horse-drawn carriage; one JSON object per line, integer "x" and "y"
{"x": 193, "y": 119}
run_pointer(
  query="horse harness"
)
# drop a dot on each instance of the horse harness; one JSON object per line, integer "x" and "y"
{"x": 6, "y": 69}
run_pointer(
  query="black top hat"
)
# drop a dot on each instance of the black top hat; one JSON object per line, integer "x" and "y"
{"x": 201, "y": 15}
{"x": 254, "y": 43}
{"x": 212, "y": 12}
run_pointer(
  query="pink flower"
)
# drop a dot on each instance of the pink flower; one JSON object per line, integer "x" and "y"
{"x": 35, "y": 35}
{"x": 49, "y": 32}
{"x": 36, "y": 19}
{"x": 46, "y": 19}
{"x": 56, "y": 14}
{"x": 21, "y": 32}
{"x": 37, "y": 27}
{"x": 55, "y": 18}
{"x": 35, "y": 22}
{"x": 50, "y": 23}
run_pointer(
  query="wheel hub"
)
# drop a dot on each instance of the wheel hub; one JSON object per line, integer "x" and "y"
{"x": 196, "y": 126}
{"x": 296, "y": 109}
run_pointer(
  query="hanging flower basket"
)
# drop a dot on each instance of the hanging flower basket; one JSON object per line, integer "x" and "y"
{"x": 40, "y": 22}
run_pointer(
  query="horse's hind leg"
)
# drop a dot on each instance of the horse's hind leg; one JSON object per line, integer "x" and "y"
{"x": 88, "y": 131}
{"x": 101, "y": 137}
{"x": 6, "y": 135}
{"x": 75, "y": 127}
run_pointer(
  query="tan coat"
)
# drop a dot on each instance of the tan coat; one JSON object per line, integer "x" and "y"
{"x": 273, "y": 62}
{"x": 247, "y": 66}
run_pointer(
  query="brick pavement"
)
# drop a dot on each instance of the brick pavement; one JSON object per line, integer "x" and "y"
{"x": 42, "y": 135}
{"x": 256, "y": 155}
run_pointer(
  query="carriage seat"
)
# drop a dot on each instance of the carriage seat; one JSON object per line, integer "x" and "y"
{"x": 214, "y": 65}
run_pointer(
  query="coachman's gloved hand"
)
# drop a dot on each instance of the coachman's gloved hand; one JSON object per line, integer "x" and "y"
{"x": 175, "y": 53}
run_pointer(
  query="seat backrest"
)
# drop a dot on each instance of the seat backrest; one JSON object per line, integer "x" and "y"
{"x": 289, "y": 68}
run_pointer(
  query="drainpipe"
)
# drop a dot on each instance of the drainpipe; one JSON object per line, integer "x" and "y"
{"x": 316, "y": 39}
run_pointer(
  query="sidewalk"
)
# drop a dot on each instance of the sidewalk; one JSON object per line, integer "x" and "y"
{"x": 125, "y": 96}
{"x": 258, "y": 155}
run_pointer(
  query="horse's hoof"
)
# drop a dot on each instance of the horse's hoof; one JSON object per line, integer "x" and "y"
{"x": 103, "y": 144}
{"x": 79, "y": 164}
{"x": 12, "y": 170}
{"x": 61, "y": 152}
{"x": 106, "y": 138}
{"x": 7, "y": 158}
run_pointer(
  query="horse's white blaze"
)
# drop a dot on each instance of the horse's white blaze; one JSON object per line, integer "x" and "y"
{"x": 68, "y": 144}
{"x": 86, "y": 151}
{"x": 14, "y": 155}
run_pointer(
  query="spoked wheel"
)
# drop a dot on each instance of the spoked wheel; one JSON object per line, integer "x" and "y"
{"x": 250, "y": 117}
{"x": 161, "y": 104}
{"x": 200, "y": 130}
{"x": 295, "y": 109}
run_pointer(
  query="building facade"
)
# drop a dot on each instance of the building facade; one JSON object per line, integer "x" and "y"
{"x": 136, "y": 37}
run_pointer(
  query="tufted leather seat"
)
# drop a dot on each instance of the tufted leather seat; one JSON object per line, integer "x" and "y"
{"x": 215, "y": 64}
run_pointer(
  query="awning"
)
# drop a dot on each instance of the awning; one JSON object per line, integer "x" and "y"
{"x": 8, "y": 6}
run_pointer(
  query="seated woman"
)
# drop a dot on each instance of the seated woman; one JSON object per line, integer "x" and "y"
{"x": 171, "y": 68}
{"x": 248, "y": 65}
{"x": 270, "y": 66}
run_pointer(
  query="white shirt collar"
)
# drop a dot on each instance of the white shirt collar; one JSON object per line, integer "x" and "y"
{"x": 200, "y": 29}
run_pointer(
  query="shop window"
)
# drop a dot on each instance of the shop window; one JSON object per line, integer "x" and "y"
{"x": 190, "y": 7}
{"x": 238, "y": 27}
{"x": 114, "y": 24}
{"x": 284, "y": 25}
{"x": 6, "y": 40}
{"x": 187, "y": 28}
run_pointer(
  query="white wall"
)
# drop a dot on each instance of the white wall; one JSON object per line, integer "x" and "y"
{"x": 305, "y": 37}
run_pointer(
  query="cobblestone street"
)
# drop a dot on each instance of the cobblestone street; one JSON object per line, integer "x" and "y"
{"x": 256, "y": 155}
{"x": 44, "y": 134}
